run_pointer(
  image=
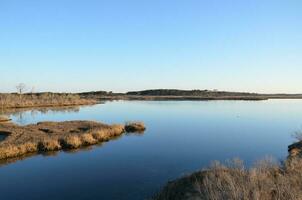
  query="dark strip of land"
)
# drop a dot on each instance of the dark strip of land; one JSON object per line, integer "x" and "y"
{"x": 173, "y": 94}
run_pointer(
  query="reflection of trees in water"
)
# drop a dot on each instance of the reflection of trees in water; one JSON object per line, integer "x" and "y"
{"x": 20, "y": 117}
{"x": 20, "y": 113}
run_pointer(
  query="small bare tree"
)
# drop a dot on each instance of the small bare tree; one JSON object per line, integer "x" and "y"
{"x": 32, "y": 91}
{"x": 21, "y": 88}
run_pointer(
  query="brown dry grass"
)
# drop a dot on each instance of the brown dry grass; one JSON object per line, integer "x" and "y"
{"x": 17, "y": 150}
{"x": 39, "y": 100}
{"x": 88, "y": 139}
{"x": 267, "y": 180}
{"x": 100, "y": 135}
{"x": 116, "y": 129}
{"x": 49, "y": 145}
{"x": 135, "y": 127}
{"x": 71, "y": 142}
{"x": 52, "y": 136}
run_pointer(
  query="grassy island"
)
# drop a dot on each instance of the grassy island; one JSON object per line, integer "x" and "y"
{"x": 53, "y": 136}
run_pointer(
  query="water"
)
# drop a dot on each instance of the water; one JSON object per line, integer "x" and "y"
{"x": 182, "y": 136}
{"x": 2, "y": 136}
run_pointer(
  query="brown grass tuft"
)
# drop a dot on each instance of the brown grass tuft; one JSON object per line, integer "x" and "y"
{"x": 87, "y": 139}
{"x": 101, "y": 135}
{"x": 17, "y": 150}
{"x": 49, "y": 145}
{"x": 135, "y": 127}
{"x": 71, "y": 142}
{"x": 115, "y": 130}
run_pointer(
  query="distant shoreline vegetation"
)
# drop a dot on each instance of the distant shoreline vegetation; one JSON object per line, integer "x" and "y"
{"x": 175, "y": 94}
{"x": 49, "y": 99}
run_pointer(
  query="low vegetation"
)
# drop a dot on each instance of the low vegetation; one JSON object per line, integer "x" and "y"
{"x": 15, "y": 100}
{"x": 53, "y": 136}
{"x": 174, "y": 92}
{"x": 266, "y": 180}
{"x": 48, "y": 99}
{"x": 191, "y": 95}
{"x": 135, "y": 127}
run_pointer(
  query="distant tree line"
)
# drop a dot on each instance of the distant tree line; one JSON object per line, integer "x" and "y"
{"x": 175, "y": 92}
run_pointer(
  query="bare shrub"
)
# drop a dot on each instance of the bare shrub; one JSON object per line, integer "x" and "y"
{"x": 298, "y": 135}
{"x": 21, "y": 87}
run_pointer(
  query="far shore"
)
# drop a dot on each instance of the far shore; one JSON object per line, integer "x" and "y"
{"x": 178, "y": 98}
{"x": 182, "y": 95}
{"x": 49, "y": 99}
{"x": 192, "y": 98}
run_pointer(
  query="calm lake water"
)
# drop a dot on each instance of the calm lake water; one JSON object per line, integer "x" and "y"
{"x": 181, "y": 137}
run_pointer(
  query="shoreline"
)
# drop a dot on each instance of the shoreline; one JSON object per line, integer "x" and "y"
{"x": 190, "y": 98}
{"x": 177, "y": 98}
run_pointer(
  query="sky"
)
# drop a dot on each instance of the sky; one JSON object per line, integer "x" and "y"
{"x": 125, "y": 45}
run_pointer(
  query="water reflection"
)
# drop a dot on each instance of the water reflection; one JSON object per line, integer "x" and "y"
{"x": 20, "y": 115}
{"x": 181, "y": 137}
{"x": 2, "y": 136}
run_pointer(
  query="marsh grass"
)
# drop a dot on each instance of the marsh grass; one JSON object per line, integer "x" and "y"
{"x": 53, "y": 136}
{"x": 17, "y": 150}
{"x": 87, "y": 139}
{"x": 49, "y": 145}
{"x": 135, "y": 127}
{"x": 41, "y": 99}
{"x": 71, "y": 142}
{"x": 266, "y": 180}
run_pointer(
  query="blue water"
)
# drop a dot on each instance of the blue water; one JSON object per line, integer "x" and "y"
{"x": 181, "y": 137}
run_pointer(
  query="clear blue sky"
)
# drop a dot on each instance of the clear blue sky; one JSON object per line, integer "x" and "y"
{"x": 121, "y": 45}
